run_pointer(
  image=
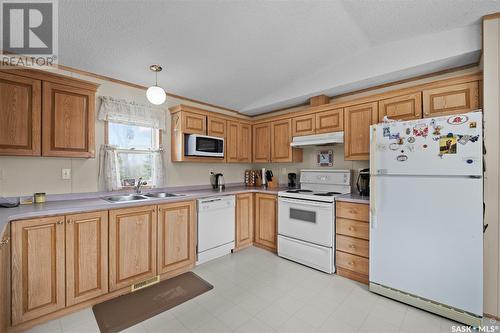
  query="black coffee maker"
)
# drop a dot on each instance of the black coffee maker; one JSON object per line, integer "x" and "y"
{"x": 363, "y": 182}
{"x": 292, "y": 180}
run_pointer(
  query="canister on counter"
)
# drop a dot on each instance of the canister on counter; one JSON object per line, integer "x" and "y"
{"x": 39, "y": 197}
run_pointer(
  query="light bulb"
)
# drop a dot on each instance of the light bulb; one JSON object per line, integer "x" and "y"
{"x": 156, "y": 95}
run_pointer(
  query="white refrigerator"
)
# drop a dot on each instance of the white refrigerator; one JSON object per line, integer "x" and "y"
{"x": 426, "y": 214}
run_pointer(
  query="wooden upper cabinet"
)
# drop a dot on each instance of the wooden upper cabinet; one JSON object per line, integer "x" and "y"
{"x": 216, "y": 127}
{"x": 304, "y": 125}
{"x": 68, "y": 121}
{"x": 262, "y": 143}
{"x": 38, "y": 268}
{"x": 176, "y": 236}
{"x": 281, "y": 137}
{"x": 329, "y": 121}
{"x": 266, "y": 230}
{"x": 232, "y": 141}
{"x": 245, "y": 143}
{"x": 86, "y": 256}
{"x": 132, "y": 246}
{"x": 20, "y": 115}
{"x": 459, "y": 98}
{"x": 406, "y": 107}
{"x": 357, "y": 121}
{"x": 194, "y": 123}
{"x": 244, "y": 219}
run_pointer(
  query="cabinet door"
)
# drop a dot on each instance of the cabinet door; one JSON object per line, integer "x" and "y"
{"x": 20, "y": 115}
{"x": 232, "y": 141}
{"x": 330, "y": 121}
{"x": 132, "y": 246}
{"x": 216, "y": 127}
{"x": 194, "y": 123}
{"x": 304, "y": 125}
{"x": 281, "y": 136}
{"x": 38, "y": 273}
{"x": 245, "y": 143}
{"x": 262, "y": 143}
{"x": 357, "y": 121}
{"x": 68, "y": 121}
{"x": 5, "y": 280}
{"x": 458, "y": 98}
{"x": 244, "y": 219}
{"x": 176, "y": 236}
{"x": 86, "y": 256}
{"x": 266, "y": 221}
{"x": 405, "y": 107}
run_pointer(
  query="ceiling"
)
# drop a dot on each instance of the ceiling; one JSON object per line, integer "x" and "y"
{"x": 257, "y": 56}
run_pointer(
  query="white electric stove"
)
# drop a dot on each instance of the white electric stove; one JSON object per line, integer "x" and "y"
{"x": 306, "y": 218}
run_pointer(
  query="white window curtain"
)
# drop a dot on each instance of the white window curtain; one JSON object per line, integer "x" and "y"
{"x": 158, "y": 168}
{"x": 127, "y": 112}
{"x": 108, "y": 168}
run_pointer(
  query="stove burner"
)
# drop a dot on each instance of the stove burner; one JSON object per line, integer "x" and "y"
{"x": 328, "y": 194}
{"x": 299, "y": 191}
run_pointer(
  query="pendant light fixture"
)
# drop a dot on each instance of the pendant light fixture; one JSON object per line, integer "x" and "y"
{"x": 155, "y": 94}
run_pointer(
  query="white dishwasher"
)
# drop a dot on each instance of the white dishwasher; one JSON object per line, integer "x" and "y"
{"x": 216, "y": 230}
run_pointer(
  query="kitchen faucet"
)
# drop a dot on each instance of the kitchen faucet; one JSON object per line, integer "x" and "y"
{"x": 140, "y": 183}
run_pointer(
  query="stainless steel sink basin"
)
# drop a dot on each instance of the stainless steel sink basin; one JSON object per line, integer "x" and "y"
{"x": 125, "y": 198}
{"x": 162, "y": 195}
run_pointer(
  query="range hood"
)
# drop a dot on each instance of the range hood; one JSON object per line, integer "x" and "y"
{"x": 318, "y": 139}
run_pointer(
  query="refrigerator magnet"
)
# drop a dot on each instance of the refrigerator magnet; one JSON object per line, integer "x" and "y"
{"x": 402, "y": 158}
{"x": 472, "y": 124}
{"x": 408, "y": 131}
{"x": 394, "y": 136}
{"x": 401, "y": 141}
{"x": 437, "y": 130}
{"x": 421, "y": 130}
{"x": 387, "y": 131}
{"x": 457, "y": 120}
{"x": 411, "y": 139}
{"x": 474, "y": 138}
{"x": 447, "y": 145}
{"x": 463, "y": 139}
{"x": 393, "y": 146}
{"x": 425, "y": 146}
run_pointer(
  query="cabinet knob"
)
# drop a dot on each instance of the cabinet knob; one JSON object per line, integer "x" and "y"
{"x": 60, "y": 222}
{"x": 351, "y": 263}
{"x": 352, "y": 246}
{"x": 69, "y": 222}
{"x": 351, "y": 228}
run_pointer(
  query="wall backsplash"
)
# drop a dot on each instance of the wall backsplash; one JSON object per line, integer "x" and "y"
{"x": 27, "y": 175}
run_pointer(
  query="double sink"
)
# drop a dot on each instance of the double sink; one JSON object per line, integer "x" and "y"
{"x": 137, "y": 197}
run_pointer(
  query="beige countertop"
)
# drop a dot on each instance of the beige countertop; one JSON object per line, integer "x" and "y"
{"x": 353, "y": 197}
{"x": 94, "y": 202}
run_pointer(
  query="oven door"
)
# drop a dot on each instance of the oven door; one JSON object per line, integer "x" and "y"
{"x": 306, "y": 220}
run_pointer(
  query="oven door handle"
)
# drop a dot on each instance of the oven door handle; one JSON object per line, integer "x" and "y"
{"x": 306, "y": 202}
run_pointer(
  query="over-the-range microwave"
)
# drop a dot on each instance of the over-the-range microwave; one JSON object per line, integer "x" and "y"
{"x": 203, "y": 145}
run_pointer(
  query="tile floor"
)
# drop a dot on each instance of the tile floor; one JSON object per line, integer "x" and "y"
{"x": 256, "y": 291}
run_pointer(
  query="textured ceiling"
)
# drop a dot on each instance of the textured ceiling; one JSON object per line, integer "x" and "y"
{"x": 255, "y": 56}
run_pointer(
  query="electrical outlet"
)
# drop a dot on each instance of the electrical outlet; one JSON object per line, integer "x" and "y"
{"x": 66, "y": 174}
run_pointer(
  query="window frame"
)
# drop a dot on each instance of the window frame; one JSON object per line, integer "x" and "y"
{"x": 131, "y": 151}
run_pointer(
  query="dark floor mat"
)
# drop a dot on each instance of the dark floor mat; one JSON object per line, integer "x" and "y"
{"x": 122, "y": 312}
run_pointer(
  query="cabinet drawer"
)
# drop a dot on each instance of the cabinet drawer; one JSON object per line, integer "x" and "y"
{"x": 352, "y": 262}
{"x": 352, "y": 245}
{"x": 353, "y": 211}
{"x": 352, "y": 228}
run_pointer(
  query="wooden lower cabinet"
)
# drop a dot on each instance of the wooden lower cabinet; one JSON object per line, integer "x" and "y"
{"x": 86, "y": 256}
{"x": 352, "y": 241}
{"x": 176, "y": 236}
{"x": 132, "y": 246}
{"x": 38, "y": 268}
{"x": 5, "y": 280}
{"x": 266, "y": 221}
{"x": 244, "y": 220}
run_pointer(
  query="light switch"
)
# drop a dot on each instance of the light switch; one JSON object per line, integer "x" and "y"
{"x": 66, "y": 174}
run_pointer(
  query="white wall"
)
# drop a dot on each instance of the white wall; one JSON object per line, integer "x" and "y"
{"x": 491, "y": 96}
